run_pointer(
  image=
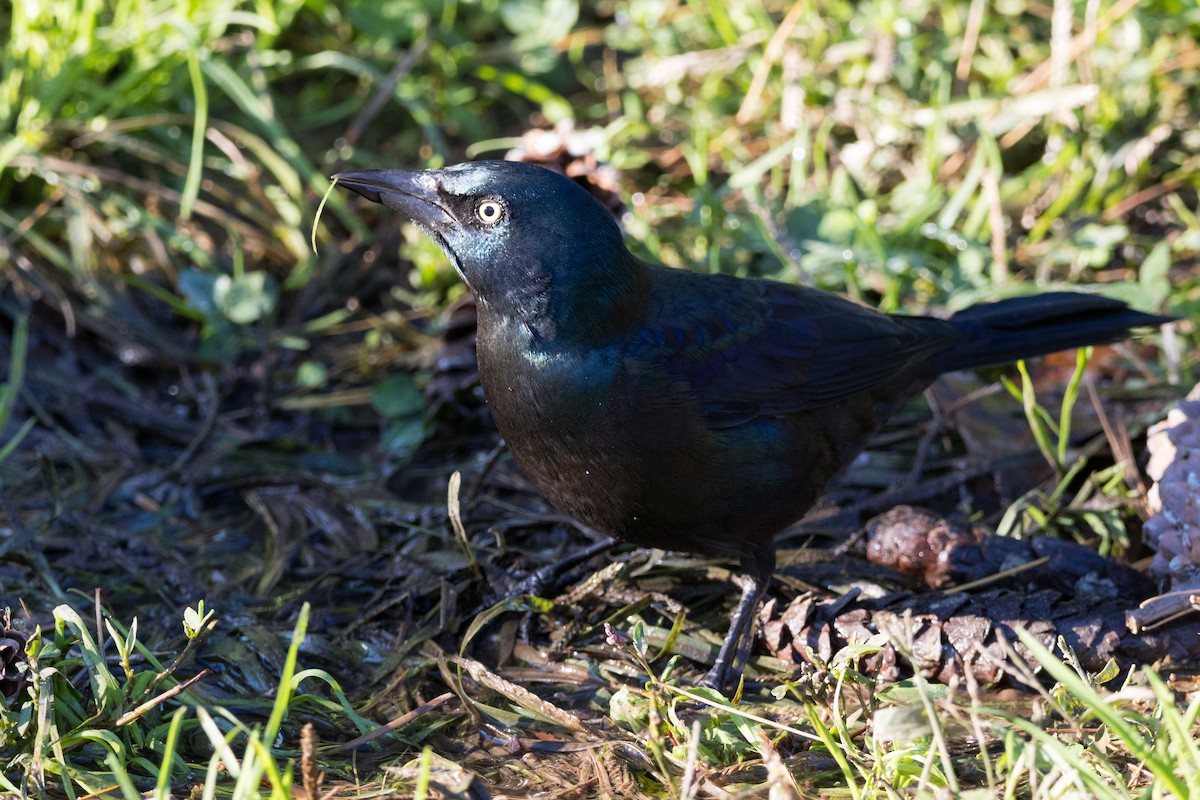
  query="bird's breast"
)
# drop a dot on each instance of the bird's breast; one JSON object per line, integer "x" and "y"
{"x": 557, "y": 400}
{"x": 621, "y": 444}
{"x": 592, "y": 437}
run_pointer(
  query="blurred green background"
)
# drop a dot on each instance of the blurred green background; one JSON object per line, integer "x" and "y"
{"x": 908, "y": 153}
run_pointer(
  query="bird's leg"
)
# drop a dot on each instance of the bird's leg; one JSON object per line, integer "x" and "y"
{"x": 735, "y": 650}
{"x": 547, "y": 577}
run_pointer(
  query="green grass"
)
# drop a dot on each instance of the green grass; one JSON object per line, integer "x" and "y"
{"x": 160, "y": 165}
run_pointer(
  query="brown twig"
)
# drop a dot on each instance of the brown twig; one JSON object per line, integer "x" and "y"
{"x": 398, "y": 722}
{"x": 150, "y": 188}
{"x": 1138, "y": 198}
{"x": 1038, "y": 77}
{"x": 771, "y": 54}
{"x": 130, "y": 716}
{"x": 386, "y": 89}
{"x": 962, "y": 70}
{"x": 309, "y": 773}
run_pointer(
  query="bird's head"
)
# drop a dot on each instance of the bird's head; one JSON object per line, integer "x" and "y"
{"x": 533, "y": 245}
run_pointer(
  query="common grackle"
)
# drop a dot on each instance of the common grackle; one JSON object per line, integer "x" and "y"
{"x": 679, "y": 410}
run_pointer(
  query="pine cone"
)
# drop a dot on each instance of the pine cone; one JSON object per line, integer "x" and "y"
{"x": 13, "y": 673}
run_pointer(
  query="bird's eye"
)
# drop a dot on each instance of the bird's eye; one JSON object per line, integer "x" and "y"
{"x": 489, "y": 212}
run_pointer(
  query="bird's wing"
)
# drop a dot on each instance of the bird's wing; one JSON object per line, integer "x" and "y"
{"x": 762, "y": 348}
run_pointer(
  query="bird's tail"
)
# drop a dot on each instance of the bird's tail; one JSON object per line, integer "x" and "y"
{"x": 1023, "y": 327}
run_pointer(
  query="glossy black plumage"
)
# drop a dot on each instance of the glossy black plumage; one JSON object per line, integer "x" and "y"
{"x": 681, "y": 410}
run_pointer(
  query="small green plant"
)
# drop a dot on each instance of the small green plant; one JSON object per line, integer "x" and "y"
{"x": 1083, "y": 505}
{"x": 124, "y": 730}
{"x": 91, "y": 733}
{"x": 1159, "y": 738}
{"x": 1053, "y": 438}
{"x": 198, "y": 621}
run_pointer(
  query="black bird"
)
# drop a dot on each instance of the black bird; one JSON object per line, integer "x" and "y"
{"x": 680, "y": 410}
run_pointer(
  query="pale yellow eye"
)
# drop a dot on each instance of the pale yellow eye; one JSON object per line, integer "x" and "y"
{"x": 489, "y": 212}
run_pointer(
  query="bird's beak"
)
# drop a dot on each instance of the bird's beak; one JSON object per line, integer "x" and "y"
{"x": 414, "y": 194}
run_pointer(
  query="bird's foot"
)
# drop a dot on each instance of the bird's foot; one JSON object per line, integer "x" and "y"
{"x": 735, "y": 650}
{"x": 548, "y": 576}
{"x": 722, "y": 675}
